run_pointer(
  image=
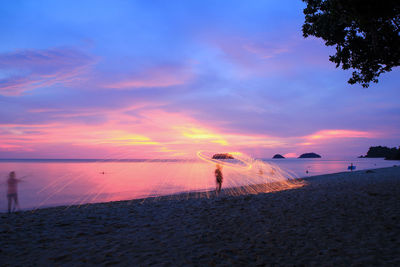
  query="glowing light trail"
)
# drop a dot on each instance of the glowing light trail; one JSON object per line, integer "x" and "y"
{"x": 151, "y": 180}
{"x": 246, "y": 166}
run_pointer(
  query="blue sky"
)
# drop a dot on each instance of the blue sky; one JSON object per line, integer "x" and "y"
{"x": 166, "y": 78}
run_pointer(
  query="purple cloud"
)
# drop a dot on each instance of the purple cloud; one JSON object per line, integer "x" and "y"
{"x": 160, "y": 76}
{"x": 29, "y": 69}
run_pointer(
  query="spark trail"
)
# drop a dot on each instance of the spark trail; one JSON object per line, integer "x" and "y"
{"x": 119, "y": 178}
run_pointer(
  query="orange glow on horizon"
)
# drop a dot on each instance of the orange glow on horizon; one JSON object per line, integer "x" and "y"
{"x": 290, "y": 155}
{"x": 156, "y": 134}
{"x": 201, "y": 134}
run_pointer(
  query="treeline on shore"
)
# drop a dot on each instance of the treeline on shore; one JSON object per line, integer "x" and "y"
{"x": 383, "y": 152}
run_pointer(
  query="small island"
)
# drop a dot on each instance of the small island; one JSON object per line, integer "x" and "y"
{"x": 223, "y": 156}
{"x": 311, "y": 155}
{"x": 278, "y": 156}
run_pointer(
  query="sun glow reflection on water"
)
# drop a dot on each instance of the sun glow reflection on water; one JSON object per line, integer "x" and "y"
{"x": 63, "y": 182}
{"x": 79, "y": 182}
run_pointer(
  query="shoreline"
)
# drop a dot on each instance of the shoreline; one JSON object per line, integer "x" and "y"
{"x": 185, "y": 195}
{"x": 348, "y": 218}
{"x": 36, "y": 194}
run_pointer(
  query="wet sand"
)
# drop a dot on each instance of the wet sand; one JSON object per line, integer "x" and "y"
{"x": 346, "y": 219}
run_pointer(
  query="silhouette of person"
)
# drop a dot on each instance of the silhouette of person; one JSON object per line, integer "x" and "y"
{"x": 351, "y": 167}
{"x": 12, "y": 191}
{"x": 218, "y": 178}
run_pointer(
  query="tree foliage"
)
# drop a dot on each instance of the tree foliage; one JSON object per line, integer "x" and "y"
{"x": 365, "y": 33}
{"x": 383, "y": 152}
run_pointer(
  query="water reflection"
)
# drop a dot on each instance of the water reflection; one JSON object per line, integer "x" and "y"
{"x": 323, "y": 166}
{"x": 66, "y": 183}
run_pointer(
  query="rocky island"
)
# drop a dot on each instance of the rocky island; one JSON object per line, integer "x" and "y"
{"x": 223, "y": 156}
{"x": 278, "y": 156}
{"x": 311, "y": 155}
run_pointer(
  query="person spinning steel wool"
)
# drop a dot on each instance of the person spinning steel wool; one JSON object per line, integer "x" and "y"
{"x": 12, "y": 191}
{"x": 218, "y": 178}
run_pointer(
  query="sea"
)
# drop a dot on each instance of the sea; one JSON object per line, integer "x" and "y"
{"x": 55, "y": 182}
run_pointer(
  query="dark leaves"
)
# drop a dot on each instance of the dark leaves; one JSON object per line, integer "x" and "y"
{"x": 365, "y": 33}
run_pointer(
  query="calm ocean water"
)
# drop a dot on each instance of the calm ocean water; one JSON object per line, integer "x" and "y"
{"x": 65, "y": 182}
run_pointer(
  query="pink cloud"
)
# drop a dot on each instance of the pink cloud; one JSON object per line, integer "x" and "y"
{"x": 265, "y": 50}
{"x": 334, "y": 134}
{"x": 152, "y": 132}
{"x": 155, "y": 132}
{"x": 43, "y": 110}
{"x": 153, "y": 77}
{"x": 242, "y": 52}
{"x": 245, "y": 49}
{"x": 10, "y": 147}
{"x": 335, "y": 139}
{"x": 263, "y": 57}
{"x": 29, "y": 69}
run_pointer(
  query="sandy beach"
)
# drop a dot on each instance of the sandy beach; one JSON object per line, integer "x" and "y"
{"x": 346, "y": 219}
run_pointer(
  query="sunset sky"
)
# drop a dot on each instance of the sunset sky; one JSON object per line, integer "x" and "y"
{"x": 164, "y": 79}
